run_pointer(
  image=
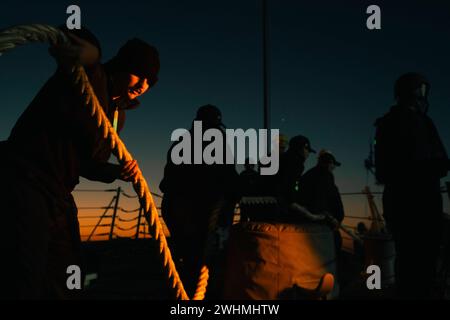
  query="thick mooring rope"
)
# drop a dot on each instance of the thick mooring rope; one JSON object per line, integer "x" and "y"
{"x": 19, "y": 35}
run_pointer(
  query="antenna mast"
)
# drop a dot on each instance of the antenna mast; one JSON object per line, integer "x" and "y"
{"x": 265, "y": 58}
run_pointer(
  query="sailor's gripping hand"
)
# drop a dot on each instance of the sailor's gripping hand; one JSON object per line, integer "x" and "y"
{"x": 332, "y": 221}
{"x": 130, "y": 171}
{"x": 305, "y": 213}
{"x": 79, "y": 51}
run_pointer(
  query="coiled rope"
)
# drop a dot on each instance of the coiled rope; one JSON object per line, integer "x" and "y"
{"x": 12, "y": 37}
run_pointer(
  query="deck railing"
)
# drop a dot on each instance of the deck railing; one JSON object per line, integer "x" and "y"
{"x": 115, "y": 221}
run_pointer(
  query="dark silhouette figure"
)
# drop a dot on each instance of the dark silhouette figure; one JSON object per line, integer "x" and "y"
{"x": 53, "y": 143}
{"x": 268, "y": 184}
{"x": 193, "y": 194}
{"x": 358, "y": 248}
{"x": 292, "y": 166}
{"x": 361, "y": 228}
{"x": 410, "y": 159}
{"x": 319, "y": 193}
{"x": 277, "y": 192}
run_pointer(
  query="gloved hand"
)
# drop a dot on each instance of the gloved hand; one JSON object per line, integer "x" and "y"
{"x": 332, "y": 221}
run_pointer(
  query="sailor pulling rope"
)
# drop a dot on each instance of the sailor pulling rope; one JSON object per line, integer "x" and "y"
{"x": 19, "y": 35}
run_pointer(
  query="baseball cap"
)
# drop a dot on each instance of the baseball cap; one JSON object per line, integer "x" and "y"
{"x": 328, "y": 157}
{"x": 139, "y": 58}
{"x": 300, "y": 142}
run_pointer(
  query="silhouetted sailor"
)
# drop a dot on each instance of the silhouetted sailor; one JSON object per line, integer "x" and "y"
{"x": 54, "y": 142}
{"x": 410, "y": 159}
{"x": 319, "y": 194}
{"x": 193, "y": 193}
{"x": 292, "y": 166}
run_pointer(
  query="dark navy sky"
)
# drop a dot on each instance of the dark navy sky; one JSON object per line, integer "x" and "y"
{"x": 330, "y": 76}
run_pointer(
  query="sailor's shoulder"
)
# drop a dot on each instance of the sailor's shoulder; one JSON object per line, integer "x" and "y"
{"x": 310, "y": 175}
{"x": 389, "y": 118}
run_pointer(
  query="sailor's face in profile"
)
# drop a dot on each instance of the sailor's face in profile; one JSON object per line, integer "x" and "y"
{"x": 136, "y": 86}
{"x": 422, "y": 99}
{"x": 306, "y": 152}
{"x": 331, "y": 167}
{"x": 129, "y": 86}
